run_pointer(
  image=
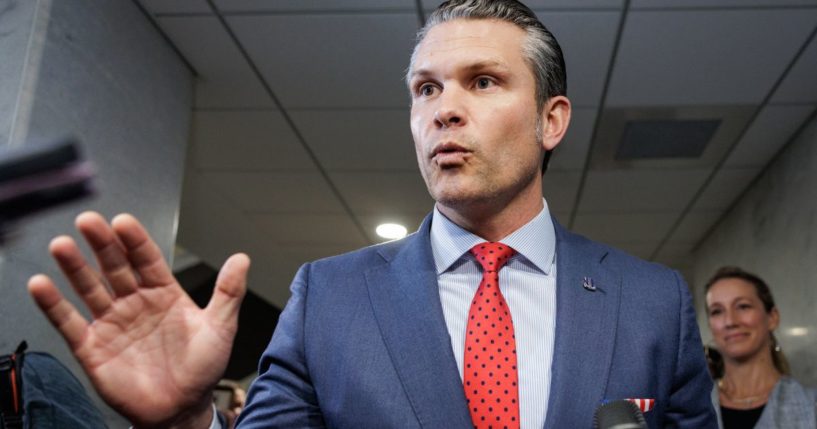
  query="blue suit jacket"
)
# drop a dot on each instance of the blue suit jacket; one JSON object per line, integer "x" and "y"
{"x": 363, "y": 343}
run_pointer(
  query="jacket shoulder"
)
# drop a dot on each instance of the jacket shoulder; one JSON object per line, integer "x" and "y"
{"x": 627, "y": 264}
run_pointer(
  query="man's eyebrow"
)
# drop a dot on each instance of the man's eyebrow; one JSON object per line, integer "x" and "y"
{"x": 418, "y": 72}
{"x": 474, "y": 67}
{"x": 488, "y": 64}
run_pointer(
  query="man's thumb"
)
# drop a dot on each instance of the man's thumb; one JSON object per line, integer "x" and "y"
{"x": 231, "y": 285}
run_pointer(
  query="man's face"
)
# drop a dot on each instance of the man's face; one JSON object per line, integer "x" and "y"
{"x": 473, "y": 113}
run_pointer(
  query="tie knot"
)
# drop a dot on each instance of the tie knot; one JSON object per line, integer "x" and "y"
{"x": 491, "y": 255}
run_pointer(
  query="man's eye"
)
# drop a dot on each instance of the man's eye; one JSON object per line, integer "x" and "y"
{"x": 426, "y": 90}
{"x": 484, "y": 82}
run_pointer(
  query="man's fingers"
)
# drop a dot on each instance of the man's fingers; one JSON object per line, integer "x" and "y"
{"x": 59, "y": 311}
{"x": 110, "y": 253}
{"x": 231, "y": 285}
{"x": 83, "y": 278}
{"x": 144, "y": 254}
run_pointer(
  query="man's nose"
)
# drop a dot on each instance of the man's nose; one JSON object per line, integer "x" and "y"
{"x": 450, "y": 112}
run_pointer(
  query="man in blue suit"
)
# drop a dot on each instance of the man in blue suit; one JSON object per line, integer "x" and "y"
{"x": 389, "y": 336}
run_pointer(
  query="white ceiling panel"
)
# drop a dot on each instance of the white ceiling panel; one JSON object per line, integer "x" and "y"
{"x": 559, "y": 188}
{"x": 299, "y": 254}
{"x": 303, "y": 229}
{"x": 331, "y": 60}
{"x": 158, "y": 7}
{"x": 212, "y": 227}
{"x": 313, "y": 5}
{"x": 552, "y": 4}
{"x": 431, "y": 4}
{"x": 574, "y": 4}
{"x": 374, "y": 139}
{"x": 276, "y": 192}
{"x": 245, "y": 140}
{"x": 658, "y": 4}
{"x": 705, "y": 57}
{"x": 677, "y": 256}
{"x": 800, "y": 84}
{"x": 587, "y": 40}
{"x": 271, "y": 273}
{"x": 625, "y": 227}
{"x": 271, "y": 276}
{"x": 572, "y": 151}
{"x": 640, "y": 190}
{"x": 383, "y": 193}
{"x": 727, "y": 184}
{"x": 693, "y": 226}
{"x": 225, "y": 79}
{"x": 772, "y": 129}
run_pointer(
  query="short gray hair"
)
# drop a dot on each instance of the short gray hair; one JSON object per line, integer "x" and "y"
{"x": 540, "y": 48}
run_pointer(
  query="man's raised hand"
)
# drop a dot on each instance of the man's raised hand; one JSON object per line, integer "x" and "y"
{"x": 150, "y": 351}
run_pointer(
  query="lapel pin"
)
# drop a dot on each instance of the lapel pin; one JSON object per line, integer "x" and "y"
{"x": 587, "y": 283}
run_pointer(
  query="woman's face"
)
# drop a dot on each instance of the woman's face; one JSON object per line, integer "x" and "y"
{"x": 739, "y": 323}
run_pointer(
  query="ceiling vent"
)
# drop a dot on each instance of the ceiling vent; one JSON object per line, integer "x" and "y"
{"x": 654, "y": 139}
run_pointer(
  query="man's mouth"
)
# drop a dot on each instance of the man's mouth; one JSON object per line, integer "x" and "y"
{"x": 449, "y": 155}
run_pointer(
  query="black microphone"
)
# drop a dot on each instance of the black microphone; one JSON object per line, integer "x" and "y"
{"x": 620, "y": 414}
{"x": 35, "y": 177}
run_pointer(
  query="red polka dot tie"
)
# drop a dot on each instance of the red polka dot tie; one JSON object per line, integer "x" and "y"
{"x": 490, "y": 376}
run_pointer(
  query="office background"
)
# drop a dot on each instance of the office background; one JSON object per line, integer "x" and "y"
{"x": 280, "y": 128}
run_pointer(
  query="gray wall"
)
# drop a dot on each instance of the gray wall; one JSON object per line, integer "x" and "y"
{"x": 772, "y": 231}
{"x": 16, "y": 25}
{"x": 100, "y": 71}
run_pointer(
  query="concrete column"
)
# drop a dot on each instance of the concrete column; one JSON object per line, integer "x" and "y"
{"x": 100, "y": 71}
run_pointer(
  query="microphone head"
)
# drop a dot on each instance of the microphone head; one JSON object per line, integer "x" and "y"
{"x": 620, "y": 414}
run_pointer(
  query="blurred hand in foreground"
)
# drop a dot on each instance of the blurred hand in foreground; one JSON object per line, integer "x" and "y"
{"x": 150, "y": 351}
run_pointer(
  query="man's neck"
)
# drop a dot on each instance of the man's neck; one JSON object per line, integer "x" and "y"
{"x": 493, "y": 221}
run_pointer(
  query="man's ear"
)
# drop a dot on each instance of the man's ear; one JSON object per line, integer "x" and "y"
{"x": 555, "y": 119}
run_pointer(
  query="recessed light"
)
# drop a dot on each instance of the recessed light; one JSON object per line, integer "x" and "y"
{"x": 391, "y": 231}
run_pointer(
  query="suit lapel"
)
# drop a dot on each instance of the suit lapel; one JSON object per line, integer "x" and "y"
{"x": 586, "y": 323}
{"x": 406, "y": 302}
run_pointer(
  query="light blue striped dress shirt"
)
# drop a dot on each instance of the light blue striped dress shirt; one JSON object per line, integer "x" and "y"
{"x": 528, "y": 282}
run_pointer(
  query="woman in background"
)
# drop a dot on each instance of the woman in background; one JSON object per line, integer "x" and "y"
{"x": 753, "y": 388}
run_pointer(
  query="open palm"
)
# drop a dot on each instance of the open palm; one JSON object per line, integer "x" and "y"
{"x": 150, "y": 351}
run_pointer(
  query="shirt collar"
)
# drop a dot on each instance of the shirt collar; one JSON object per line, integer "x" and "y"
{"x": 535, "y": 241}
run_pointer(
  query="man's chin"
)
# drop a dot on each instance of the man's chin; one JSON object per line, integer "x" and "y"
{"x": 459, "y": 199}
